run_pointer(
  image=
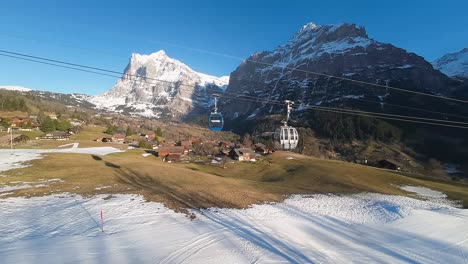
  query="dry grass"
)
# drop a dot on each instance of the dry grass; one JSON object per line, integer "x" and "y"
{"x": 181, "y": 186}
{"x": 85, "y": 138}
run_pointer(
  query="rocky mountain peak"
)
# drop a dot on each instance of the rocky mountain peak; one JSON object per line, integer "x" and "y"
{"x": 156, "y": 85}
{"x": 453, "y": 64}
{"x": 292, "y": 71}
{"x": 329, "y": 33}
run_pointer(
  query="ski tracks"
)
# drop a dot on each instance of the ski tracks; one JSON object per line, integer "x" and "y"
{"x": 194, "y": 246}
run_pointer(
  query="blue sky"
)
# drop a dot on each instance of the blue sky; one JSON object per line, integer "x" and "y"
{"x": 105, "y": 33}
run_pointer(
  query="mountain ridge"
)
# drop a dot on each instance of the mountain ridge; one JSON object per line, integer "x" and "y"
{"x": 453, "y": 64}
{"x": 156, "y": 86}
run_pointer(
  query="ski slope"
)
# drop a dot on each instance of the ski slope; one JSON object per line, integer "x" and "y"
{"x": 361, "y": 228}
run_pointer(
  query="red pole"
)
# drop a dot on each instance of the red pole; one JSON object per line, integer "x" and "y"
{"x": 102, "y": 222}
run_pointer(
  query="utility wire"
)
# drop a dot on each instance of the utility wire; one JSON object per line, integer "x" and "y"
{"x": 251, "y": 98}
{"x": 58, "y": 65}
{"x": 128, "y": 76}
{"x": 311, "y": 72}
{"x": 361, "y": 113}
{"x": 259, "y": 62}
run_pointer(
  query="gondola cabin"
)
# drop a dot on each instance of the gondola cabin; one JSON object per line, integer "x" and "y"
{"x": 286, "y": 138}
{"x": 216, "y": 122}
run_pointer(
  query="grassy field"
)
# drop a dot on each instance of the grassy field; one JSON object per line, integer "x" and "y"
{"x": 187, "y": 185}
{"x": 86, "y": 139}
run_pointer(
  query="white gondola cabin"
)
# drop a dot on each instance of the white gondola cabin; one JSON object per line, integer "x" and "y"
{"x": 216, "y": 120}
{"x": 286, "y": 137}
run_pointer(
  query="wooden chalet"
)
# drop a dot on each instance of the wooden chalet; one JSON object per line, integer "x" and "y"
{"x": 242, "y": 154}
{"x": 168, "y": 150}
{"x": 389, "y": 164}
{"x": 119, "y": 137}
{"x": 56, "y": 135}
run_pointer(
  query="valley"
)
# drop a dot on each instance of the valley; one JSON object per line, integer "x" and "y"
{"x": 243, "y": 138}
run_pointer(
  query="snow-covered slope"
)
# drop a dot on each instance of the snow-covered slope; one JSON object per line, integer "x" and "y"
{"x": 156, "y": 85}
{"x": 366, "y": 228}
{"x": 361, "y": 228}
{"x": 453, "y": 64}
{"x": 14, "y": 88}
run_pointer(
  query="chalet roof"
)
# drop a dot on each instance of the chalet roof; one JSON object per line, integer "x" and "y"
{"x": 185, "y": 143}
{"x": 393, "y": 162}
{"x": 171, "y": 149}
{"x": 60, "y": 133}
{"x": 260, "y": 145}
{"x": 119, "y": 135}
{"x": 242, "y": 151}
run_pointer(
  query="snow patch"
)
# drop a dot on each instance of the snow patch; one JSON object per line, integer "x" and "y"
{"x": 424, "y": 192}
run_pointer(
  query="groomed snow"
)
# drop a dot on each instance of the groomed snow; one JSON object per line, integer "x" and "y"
{"x": 365, "y": 228}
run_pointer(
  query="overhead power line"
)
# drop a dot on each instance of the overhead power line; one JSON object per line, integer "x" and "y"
{"x": 345, "y": 111}
{"x": 104, "y": 72}
{"x": 253, "y": 61}
{"x": 129, "y": 76}
{"x": 311, "y": 72}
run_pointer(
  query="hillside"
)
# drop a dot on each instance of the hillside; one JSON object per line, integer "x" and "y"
{"x": 182, "y": 186}
{"x": 301, "y": 70}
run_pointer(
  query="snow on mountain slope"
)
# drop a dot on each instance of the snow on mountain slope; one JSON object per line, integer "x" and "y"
{"x": 14, "y": 88}
{"x": 300, "y": 70}
{"x": 453, "y": 64}
{"x": 155, "y": 85}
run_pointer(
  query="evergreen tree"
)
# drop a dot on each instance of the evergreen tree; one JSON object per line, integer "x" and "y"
{"x": 62, "y": 125}
{"x": 110, "y": 130}
{"x": 159, "y": 132}
{"x": 47, "y": 125}
{"x": 129, "y": 131}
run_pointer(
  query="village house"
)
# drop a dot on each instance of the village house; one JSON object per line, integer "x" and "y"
{"x": 167, "y": 150}
{"x": 262, "y": 149}
{"x": 76, "y": 123}
{"x": 172, "y": 158}
{"x": 119, "y": 137}
{"x": 74, "y": 130}
{"x": 56, "y": 135}
{"x": 242, "y": 154}
{"x": 168, "y": 143}
{"x": 187, "y": 145}
{"x": 53, "y": 116}
{"x": 389, "y": 164}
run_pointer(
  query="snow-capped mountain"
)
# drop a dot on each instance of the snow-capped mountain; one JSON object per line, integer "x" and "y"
{"x": 453, "y": 64}
{"x": 73, "y": 99}
{"x": 156, "y": 85}
{"x": 298, "y": 69}
{"x": 14, "y": 88}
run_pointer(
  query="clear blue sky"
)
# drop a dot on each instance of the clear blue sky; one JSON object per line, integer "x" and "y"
{"x": 105, "y": 33}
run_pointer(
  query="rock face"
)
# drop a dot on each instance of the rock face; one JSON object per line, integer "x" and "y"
{"x": 298, "y": 71}
{"x": 453, "y": 64}
{"x": 160, "y": 87}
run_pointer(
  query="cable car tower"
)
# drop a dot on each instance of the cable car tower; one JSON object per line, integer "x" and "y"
{"x": 216, "y": 120}
{"x": 286, "y": 137}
